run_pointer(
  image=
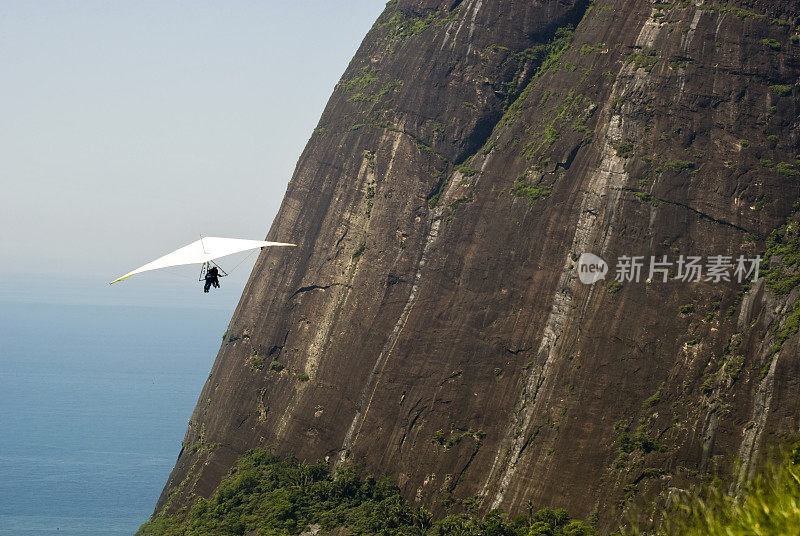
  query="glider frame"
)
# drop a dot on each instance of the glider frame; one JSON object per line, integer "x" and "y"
{"x": 206, "y": 266}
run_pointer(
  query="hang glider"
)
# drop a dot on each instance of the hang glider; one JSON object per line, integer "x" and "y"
{"x": 202, "y": 251}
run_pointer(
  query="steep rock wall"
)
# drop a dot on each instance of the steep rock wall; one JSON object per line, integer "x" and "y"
{"x": 431, "y": 325}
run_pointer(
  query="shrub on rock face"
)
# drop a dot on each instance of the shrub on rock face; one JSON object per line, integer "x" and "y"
{"x": 549, "y": 522}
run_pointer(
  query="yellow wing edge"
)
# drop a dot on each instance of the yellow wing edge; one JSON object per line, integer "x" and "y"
{"x": 120, "y": 279}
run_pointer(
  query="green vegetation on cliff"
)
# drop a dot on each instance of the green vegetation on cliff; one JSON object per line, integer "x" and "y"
{"x": 268, "y": 495}
{"x": 782, "y": 258}
{"x": 522, "y": 188}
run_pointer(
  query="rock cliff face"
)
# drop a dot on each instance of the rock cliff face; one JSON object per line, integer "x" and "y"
{"x": 431, "y": 323}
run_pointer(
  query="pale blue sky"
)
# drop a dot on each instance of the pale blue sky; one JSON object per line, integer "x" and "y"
{"x": 129, "y": 128}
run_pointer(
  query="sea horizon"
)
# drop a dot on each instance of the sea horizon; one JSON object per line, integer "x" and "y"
{"x": 97, "y": 387}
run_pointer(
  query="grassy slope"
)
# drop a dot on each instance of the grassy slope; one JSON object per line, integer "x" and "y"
{"x": 770, "y": 505}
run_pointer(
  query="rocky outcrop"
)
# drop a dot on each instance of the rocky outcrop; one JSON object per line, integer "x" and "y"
{"x": 431, "y": 323}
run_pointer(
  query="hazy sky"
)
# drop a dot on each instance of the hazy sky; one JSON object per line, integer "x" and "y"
{"x": 130, "y": 128}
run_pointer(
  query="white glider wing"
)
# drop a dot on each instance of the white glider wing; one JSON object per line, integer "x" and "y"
{"x": 201, "y": 251}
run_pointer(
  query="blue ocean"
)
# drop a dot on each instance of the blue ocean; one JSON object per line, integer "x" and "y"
{"x": 95, "y": 395}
